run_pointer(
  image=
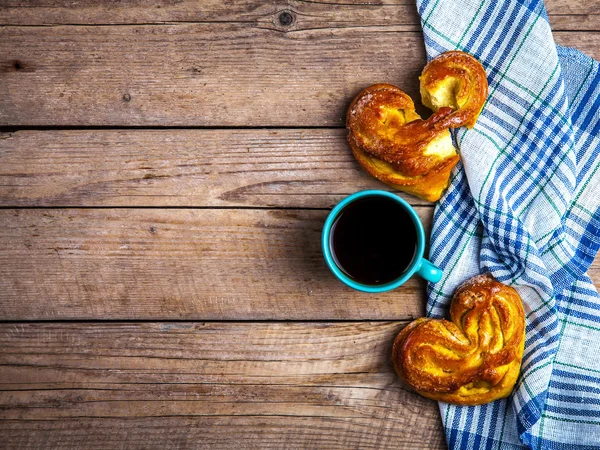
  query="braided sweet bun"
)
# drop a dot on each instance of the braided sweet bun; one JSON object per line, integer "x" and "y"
{"x": 391, "y": 142}
{"x": 473, "y": 359}
{"x": 457, "y": 80}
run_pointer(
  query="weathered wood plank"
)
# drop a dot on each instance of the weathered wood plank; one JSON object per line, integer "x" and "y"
{"x": 211, "y": 74}
{"x": 572, "y": 7}
{"x": 569, "y": 15}
{"x": 306, "y": 14}
{"x": 270, "y": 168}
{"x": 214, "y": 432}
{"x": 182, "y": 263}
{"x": 210, "y": 385}
{"x": 173, "y": 263}
{"x": 195, "y": 74}
{"x": 563, "y": 14}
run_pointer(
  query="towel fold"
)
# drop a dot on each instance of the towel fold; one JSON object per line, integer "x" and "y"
{"x": 524, "y": 204}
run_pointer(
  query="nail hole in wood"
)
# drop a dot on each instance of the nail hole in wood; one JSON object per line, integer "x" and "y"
{"x": 17, "y": 65}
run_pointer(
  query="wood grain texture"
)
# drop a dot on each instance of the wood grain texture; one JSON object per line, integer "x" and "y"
{"x": 208, "y": 74}
{"x": 173, "y": 263}
{"x": 217, "y": 74}
{"x": 209, "y": 385}
{"x": 307, "y": 14}
{"x": 311, "y": 168}
{"x": 563, "y": 14}
{"x": 200, "y": 264}
{"x": 201, "y": 385}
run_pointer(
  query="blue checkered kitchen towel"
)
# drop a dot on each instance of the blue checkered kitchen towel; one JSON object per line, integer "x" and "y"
{"x": 525, "y": 206}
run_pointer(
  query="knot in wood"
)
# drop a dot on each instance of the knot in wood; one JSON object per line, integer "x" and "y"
{"x": 286, "y": 18}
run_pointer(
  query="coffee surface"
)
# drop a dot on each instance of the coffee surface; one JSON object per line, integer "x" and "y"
{"x": 373, "y": 240}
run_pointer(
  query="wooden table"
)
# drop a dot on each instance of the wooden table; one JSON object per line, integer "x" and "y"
{"x": 165, "y": 171}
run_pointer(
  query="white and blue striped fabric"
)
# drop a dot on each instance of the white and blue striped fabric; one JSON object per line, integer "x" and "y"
{"x": 525, "y": 206}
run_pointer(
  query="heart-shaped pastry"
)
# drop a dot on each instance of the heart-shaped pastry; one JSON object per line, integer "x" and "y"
{"x": 473, "y": 359}
{"x": 391, "y": 141}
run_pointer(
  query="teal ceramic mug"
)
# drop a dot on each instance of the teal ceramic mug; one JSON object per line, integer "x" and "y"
{"x": 418, "y": 265}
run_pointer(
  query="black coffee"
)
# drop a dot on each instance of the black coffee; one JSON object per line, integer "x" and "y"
{"x": 373, "y": 240}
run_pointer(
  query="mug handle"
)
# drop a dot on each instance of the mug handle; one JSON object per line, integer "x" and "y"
{"x": 429, "y": 271}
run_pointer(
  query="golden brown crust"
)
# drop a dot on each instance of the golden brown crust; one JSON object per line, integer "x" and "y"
{"x": 428, "y": 187}
{"x": 473, "y": 359}
{"x": 391, "y": 141}
{"x": 462, "y": 78}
